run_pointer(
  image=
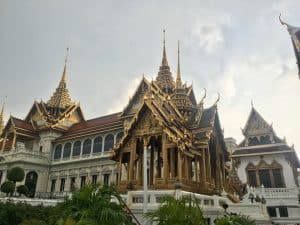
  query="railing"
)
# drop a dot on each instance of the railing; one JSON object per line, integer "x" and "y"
{"x": 275, "y": 192}
{"x": 135, "y": 199}
{"x": 53, "y": 195}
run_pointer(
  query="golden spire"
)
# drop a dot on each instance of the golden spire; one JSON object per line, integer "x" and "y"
{"x": 164, "y": 78}
{"x": 178, "y": 78}
{"x": 164, "y": 59}
{"x": 2, "y": 118}
{"x": 61, "y": 97}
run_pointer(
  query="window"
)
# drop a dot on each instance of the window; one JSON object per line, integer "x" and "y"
{"x": 106, "y": 179}
{"x": 97, "y": 147}
{"x": 278, "y": 182}
{"x": 272, "y": 211}
{"x": 62, "y": 184}
{"x": 94, "y": 179}
{"x": 264, "y": 176}
{"x": 1, "y": 174}
{"x": 252, "y": 178}
{"x": 41, "y": 148}
{"x": 283, "y": 211}
{"x": 57, "y": 152}
{"x": 109, "y": 142}
{"x": 67, "y": 150}
{"x": 119, "y": 136}
{"x": 268, "y": 175}
{"x": 53, "y": 183}
{"x": 87, "y": 145}
{"x": 253, "y": 141}
{"x": 76, "y": 148}
{"x": 82, "y": 181}
{"x": 117, "y": 177}
{"x": 72, "y": 184}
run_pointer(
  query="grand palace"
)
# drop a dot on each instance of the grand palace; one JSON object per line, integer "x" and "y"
{"x": 164, "y": 123}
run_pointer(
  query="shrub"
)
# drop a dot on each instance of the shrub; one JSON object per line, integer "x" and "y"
{"x": 33, "y": 222}
{"x": 16, "y": 174}
{"x": 8, "y": 187}
{"x": 235, "y": 220}
{"x": 22, "y": 190}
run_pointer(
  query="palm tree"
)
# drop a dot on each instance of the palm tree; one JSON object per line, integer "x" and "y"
{"x": 235, "y": 220}
{"x": 184, "y": 211}
{"x": 95, "y": 205}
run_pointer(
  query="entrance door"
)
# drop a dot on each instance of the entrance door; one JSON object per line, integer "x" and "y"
{"x": 30, "y": 182}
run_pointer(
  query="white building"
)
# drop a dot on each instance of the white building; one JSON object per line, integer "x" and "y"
{"x": 269, "y": 167}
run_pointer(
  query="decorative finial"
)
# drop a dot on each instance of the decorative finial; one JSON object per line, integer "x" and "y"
{"x": 252, "y": 103}
{"x": 281, "y": 21}
{"x": 204, "y": 96}
{"x": 218, "y": 99}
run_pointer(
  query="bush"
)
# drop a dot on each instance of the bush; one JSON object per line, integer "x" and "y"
{"x": 8, "y": 187}
{"x": 22, "y": 190}
{"x": 235, "y": 220}
{"x": 33, "y": 222}
{"x": 16, "y": 174}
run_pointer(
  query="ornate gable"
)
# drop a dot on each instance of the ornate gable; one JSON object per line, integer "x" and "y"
{"x": 137, "y": 100}
{"x": 256, "y": 125}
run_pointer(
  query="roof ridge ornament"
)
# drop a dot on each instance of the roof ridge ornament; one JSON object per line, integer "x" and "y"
{"x": 218, "y": 99}
{"x": 204, "y": 96}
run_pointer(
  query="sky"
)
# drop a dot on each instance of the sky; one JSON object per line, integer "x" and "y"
{"x": 232, "y": 47}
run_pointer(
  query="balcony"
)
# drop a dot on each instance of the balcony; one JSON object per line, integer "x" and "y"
{"x": 21, "y": 153}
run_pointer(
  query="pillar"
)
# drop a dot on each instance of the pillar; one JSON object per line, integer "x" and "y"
{"x": 179, "y": 164}
{"x": 165, "y": 158}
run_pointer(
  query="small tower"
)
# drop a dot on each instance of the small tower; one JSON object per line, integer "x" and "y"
{"x": 164, "y": 78}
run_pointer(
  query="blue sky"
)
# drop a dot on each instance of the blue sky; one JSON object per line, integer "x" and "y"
{"x": 232, "y": 47}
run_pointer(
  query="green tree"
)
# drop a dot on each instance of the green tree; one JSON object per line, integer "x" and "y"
{"x": 235, "y": 220}
{"x": 183, "y": 211}
{"x": 8, "y": 188}
{"x": 16, "y": 174}
{"x": 22, "y": 190}
{"x": 93, "y": 205}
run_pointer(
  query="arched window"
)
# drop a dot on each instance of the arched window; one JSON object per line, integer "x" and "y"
{"x": 119, "y": 136}
{"x": 57, "y": 151}
{"x": 97, "y": 147}
{"x": 109, "y": 142}
{"x": 87, "y": 146}
{"x": 67, "y": 150}
{"x": 253, "y": 141}
{"x": 76, "y": 148}
{"x": 265, "y": 139}
{"x": 270, "y": 176}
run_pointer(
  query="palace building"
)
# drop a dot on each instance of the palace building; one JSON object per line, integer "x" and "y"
{"x": 60, "y": 150}
{"x": 164, "y": 139}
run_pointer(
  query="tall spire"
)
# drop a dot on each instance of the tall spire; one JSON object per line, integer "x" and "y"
{"x": 2, "y": 118}
{"x": 164, "y": 78}
{"x": 61, "y": 97}
{"x": 164, "y": 58}
{"x": 178, "y": 78}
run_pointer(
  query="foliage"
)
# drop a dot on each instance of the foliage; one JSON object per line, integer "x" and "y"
{"x": 33, "y": 222}
{"x": 177, "y": 212}
{"x": 22, "y": 190}
{"x": 92, "y": 205}
{"x": 8, "y": 187}
{"x": 235, "y": 220}
{"x": 14, "y": 214}
{"x": 16, "y": 174}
